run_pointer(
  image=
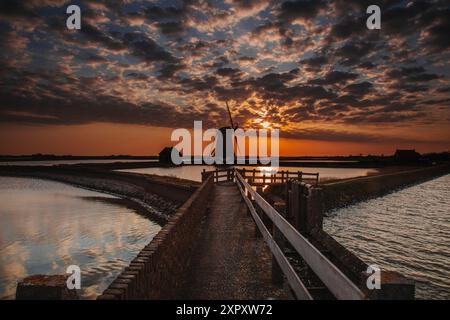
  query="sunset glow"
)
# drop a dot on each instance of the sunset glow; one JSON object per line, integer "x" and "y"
{"x": 246, "y": 151}
{"x": 137, "y": 69}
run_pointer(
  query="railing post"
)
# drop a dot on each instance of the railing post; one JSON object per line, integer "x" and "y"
{"x": 277, "y": 272}
{"x": 47, "y": 287}
{"x": 314, "y": 210}
{"x": 299, "y": 196}
{"x": 293, "y": 203}
{"x": 203, "y": 175}
{"x": 259, "y": 212}
{"x": 248, "y": 195}
{"x": 394, "y": 286}
{"x": 287, "y": 199}
{"x": 299, "y": 206}
{"x": 306, "y": 207}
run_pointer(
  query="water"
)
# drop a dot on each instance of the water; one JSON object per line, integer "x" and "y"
{"x": 320, "y": 160}
{"x": 195, "y": 172}
{"x": 58, "y": 162}
{"x": 47, "y": 226}
{"x": 328, "y": 173}
{"x": 407, "y": 231}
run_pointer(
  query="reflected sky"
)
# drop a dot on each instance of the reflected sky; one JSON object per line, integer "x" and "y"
{"x": 407, "y": 231}
{"x": 58, "y": 162}
{"x": 47, "y": 226}
{"x": 195, "y": 172}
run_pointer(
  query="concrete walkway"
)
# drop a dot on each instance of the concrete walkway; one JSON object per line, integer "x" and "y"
{"x": 229, "y": 262}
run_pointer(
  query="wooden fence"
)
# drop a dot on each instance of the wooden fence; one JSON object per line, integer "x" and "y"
{"x": 257, "y": 177}
{"x": 336, "y": 282}
{"x": 301, "y": 224}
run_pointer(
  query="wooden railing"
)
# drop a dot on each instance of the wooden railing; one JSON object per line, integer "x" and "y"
{"x": 219, "y": 175}
{"x": 336, "y": 282}
{"x": 257, "y": 177}
{"x": 264, "y": 177}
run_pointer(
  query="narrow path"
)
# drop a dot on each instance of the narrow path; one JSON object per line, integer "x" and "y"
{"x": 229, "y": 262}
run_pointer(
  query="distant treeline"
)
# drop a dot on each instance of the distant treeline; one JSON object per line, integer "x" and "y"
{"x": 436, "y": 156}
{"x": 442, "y": 156}
{"x": 49, "y": 157}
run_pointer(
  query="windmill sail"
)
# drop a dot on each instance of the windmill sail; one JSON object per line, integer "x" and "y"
{"x": 229, "y": 115}
{"x": 223, "y": 131}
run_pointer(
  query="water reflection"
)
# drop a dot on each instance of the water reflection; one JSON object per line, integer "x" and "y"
{"x": 407, "y": 231}
{"x": 47, "y": 226}
{"x": 194, "y": 172}
{"x": 58, "y": 162}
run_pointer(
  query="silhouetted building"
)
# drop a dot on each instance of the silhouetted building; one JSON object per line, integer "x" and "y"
{"x": 165, "y": 156}
{"x": 407, "y": 156}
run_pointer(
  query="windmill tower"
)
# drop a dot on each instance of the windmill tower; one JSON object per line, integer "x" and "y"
{"x": 223, "y": 131}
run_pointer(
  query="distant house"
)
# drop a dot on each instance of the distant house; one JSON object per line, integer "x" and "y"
{"x": 407, "y": 156}
{"x": 165, "y": 156}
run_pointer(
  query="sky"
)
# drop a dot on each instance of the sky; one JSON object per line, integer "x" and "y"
{"x": 139, "y": 69}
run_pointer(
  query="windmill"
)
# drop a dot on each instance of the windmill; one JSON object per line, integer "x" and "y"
{"x": 223, "y": 131}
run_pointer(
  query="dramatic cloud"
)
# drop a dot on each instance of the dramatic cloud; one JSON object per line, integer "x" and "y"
{"x": 297, "y": 65}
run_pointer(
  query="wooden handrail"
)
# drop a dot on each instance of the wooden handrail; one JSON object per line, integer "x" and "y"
{"x": 293, "y": 279}
{"x": 264, "y": 176}
{"x": 337, "y": 282}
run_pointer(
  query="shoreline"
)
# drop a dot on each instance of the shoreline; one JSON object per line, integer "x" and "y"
{"x": 339, "y": 194}
{"x": 146, "y": 163}
{"x": 127, "y": 187}
{"x": 139, "y": 206}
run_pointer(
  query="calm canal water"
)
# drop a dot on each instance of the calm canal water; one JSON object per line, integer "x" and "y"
{"x": 46, "y": 226}
{"x": 195, "y": 172}
{"x": 58, "y": 162}
{"x": 407, "y": 231}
